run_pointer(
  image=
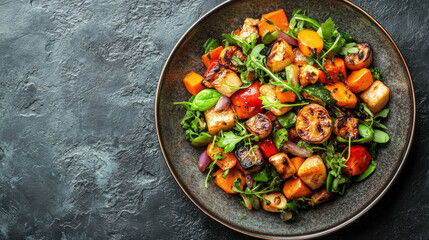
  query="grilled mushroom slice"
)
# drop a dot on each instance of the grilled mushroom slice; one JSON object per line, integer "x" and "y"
{"x": 313, "y": 124}
{"x": 250, "y": 161}
{"x": 259, "y": 125}
{"x": 346, "y": 127}
{"x": 361, "y": 59}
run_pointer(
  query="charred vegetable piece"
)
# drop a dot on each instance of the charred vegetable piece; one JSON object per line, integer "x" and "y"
{"x": 376, "y": 96}
{"x": 361, "y": 59}
{"x": 308, "y": 75}
{"x": 313, "y": 172}
{"x": 250, "y": 27}
{"x": 358, "y": 161}
{"x": 281, "y": 55}
{"x": 318, "y": 94}
{"x": 313, "y": 124}
{"x": 320, "y": 196}
{"x": 211, "y": 56}
{"x": 213, "y": 72}
{"x": 259, "y": 125}
{"x": 277, "y": 202}
{"x": 226, "y": 83}
{"x": 250, "y": 160}
{"x": 227, "y": 56}
{"x": 346, "y": 127}
{"x": 336, "y": 71}
{"x": 217, "y": 121}
{"x": 283, "y": 165}
{"x": 246, "y": 102}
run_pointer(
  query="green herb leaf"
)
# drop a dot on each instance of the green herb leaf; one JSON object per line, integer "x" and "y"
{"x": 328, "y": 29}
{"x": 228, "y": 141}
{"x": 279, "y": 137}
{"x": 287, "y": 120}
{"x": 205, "y": 99}
{"x": 225, "y": 173}
{"x": 210, "y": 44}
{"x": 270, "y": 102}
{"x": 383, "y": 113}
{"x": 349, "y": 48}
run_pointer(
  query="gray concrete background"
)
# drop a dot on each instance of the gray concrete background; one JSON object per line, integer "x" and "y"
{"x": 79, "y": 157}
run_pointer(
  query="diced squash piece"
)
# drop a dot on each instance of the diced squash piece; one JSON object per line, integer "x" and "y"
{"x": 227, "y": 182}
{"x": 308, "y": 74}
{"x": 376, "y": 96}
{"x": 277, "y": 17}
{"x": 192, "y": 83}
{"x": 211, "y": 56}
{"x": 285, "y": 97}
{"x": 295, "y": 187}
{"x": 313, "y": 172}
{"x": 230, "y": 78}
{"x": 297, "y": 162}
{"x": 225, "y": 163}
{"x": 283, "y": 165}
{"x": 359, "y": 80}
{"x": 342, "y": 94}
{"x": 217, "y": 121}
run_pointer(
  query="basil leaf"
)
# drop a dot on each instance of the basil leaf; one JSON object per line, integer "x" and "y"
{"x": 205, "y": 99}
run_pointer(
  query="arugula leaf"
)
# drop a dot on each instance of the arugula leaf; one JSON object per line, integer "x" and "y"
{"x": 347, "y": 37}
{"x": 279, "y": 136}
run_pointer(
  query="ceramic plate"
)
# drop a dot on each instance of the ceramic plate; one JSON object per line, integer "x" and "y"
{"x": 182, "y": 158}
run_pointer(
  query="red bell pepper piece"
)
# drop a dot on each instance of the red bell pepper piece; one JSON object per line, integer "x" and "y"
{"x": 246, "y": 102}
{"x": 337, "y": 71}
{"x": 268, "y": 146}
{"x": 358, "y": 161}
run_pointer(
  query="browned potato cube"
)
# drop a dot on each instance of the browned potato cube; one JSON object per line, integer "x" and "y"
{"x": 259, "y": 125}
{"x": 313, "y": 172}
{"x": 283, "y": 165}
{"x": 308, "y": 74}
{"x": 217, "y": 121}
{"x": 228, "y": 77}
{"x": 376, "y": 96}
{"x": 281, "y": 56}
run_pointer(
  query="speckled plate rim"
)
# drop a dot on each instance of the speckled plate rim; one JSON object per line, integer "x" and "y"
{"x": 305, "y": 236}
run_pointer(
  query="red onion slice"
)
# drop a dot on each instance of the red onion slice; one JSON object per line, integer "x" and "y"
{"x": 249, "y": 180}
{"x": 222, "y": 104}
{"x": 293, "y": 149}
{"x": 204, "y": 161}
{"x": 290, "y": 40}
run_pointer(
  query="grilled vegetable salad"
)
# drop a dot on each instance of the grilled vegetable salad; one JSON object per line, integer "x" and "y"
{"x": 289, "y": 112}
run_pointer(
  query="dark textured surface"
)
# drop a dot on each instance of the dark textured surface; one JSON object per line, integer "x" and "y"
{"x": 79, "y": 156}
